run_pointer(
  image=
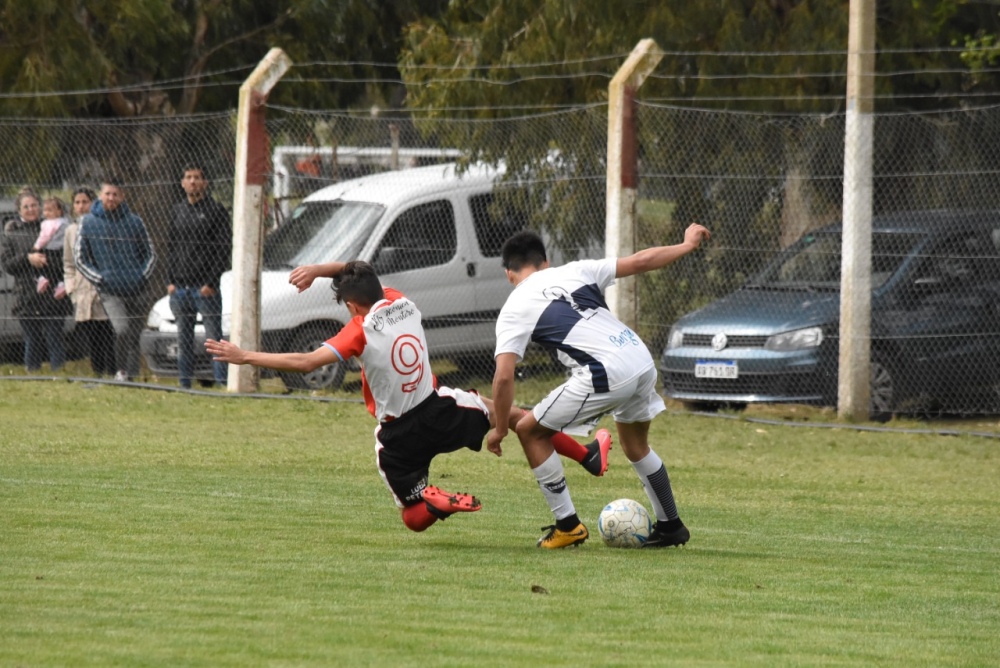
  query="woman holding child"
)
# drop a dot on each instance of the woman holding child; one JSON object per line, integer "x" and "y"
{"x": 31, "y": 252}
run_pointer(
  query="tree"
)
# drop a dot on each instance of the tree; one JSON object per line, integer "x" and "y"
{"x": 154, "y": 55}
{"x": 767, "y": 56}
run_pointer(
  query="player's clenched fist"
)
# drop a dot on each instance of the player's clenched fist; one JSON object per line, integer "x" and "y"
{"x": 695, "y": 234}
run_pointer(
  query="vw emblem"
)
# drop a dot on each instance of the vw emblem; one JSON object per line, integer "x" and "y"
{"x": 719, "y": 341}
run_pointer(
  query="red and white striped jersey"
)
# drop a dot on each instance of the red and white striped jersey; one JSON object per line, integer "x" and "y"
{"x": 390, "y": 342}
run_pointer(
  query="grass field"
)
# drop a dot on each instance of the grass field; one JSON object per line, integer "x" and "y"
{"x": 146, "y": 528}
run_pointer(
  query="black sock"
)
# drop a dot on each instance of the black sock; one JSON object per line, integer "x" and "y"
{"x": 568, "y": 523}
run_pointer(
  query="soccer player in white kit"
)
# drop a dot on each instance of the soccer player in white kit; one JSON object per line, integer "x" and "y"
{"x": 563, "y": 309}
{"x": 416, "y": 420}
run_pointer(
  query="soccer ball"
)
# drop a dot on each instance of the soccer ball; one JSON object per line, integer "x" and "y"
{"x": 624, "y": 523}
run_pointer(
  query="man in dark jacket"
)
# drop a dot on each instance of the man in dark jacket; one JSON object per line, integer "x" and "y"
{"x": 201, "y": 238}
{"x": 114, "y": 253}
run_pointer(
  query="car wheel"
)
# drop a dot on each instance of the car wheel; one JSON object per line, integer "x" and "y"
{"x": 305, "y": 340}
{"x": 883, "y": 389}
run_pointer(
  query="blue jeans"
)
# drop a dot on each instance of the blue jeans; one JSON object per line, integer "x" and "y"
{"x": 43, "y": 333}
{"x": 187, "y": 303}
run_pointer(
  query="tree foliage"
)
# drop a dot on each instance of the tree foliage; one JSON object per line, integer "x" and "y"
{"x": 804, "y": 41}
{"x": 775, "y": 57}
{"x": 757, "y": 55}
{"x": 158, "y": 51}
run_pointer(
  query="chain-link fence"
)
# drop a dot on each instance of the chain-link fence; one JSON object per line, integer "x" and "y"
{"x": 756, "y": 317}
{"x": 52, "y": 159}
{"x": 758, "y": 329}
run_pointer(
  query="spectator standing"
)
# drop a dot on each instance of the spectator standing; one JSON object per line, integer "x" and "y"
{"x": 91, "y": 319}
{"x": 199, "y": 251}
{"x": 113, "y": 252}
{"x": 41, "y": 314}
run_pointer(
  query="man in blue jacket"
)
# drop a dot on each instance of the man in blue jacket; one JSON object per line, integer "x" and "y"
{"x": 114, "y": 253}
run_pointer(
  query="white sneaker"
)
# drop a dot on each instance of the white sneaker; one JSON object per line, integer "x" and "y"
{"x": 121, "y": 377}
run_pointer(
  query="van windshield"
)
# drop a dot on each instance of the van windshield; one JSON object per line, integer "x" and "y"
{"x": 814, "y": 263}
{"x": 321, "y": 232}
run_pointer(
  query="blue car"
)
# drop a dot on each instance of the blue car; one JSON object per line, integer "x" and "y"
{"x": 935, "y": 322}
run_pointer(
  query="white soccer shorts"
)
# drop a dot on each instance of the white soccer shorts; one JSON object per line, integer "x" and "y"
{"x": 575, "y": 404}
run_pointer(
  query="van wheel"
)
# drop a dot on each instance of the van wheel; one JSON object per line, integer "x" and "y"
{"x": 305, "y": 340}
{"x": 883, "y": 389}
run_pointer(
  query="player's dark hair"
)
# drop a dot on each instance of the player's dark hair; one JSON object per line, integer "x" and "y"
{"x": 112, "y": 181}
{"x": 523, "y": 249}
{"x": 358, "y": 283}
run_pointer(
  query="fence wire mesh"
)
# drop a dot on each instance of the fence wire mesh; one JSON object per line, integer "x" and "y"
{"x": 768, "y": 187}
{"x": 764, "y": 298}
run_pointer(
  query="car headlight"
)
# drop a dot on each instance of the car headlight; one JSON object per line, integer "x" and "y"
{"x": 798, "y": 339}
{"x": 676, "y": 338}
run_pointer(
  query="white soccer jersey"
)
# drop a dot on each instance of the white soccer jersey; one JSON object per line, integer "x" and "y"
{"x": 389, "y": 341}
{"x": 563, "y": 308}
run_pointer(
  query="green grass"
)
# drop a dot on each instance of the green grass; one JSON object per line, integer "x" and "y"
{"x": 151, "y": 528}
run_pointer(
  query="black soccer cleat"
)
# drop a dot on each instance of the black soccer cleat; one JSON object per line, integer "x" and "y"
{"x": 668, "y": 534}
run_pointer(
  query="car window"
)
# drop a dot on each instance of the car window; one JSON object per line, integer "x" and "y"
{"x": 889, "y": 251}
{"x": 495, "y": 222}
{"x": 321, "y": 232}
{"x": 816, "y": 261}
{"x": 966, "y": 258}
{"x": 422, "y": 236}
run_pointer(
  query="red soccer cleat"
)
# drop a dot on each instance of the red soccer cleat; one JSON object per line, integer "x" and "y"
{"x": 597, "y": 461}
{"x": 449, "y": 502}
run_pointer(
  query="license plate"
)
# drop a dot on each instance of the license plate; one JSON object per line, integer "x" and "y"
{"x": 716, "y": 369}
{"x": 171, "y": 350}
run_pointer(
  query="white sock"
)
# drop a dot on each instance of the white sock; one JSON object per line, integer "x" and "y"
{"x": 656, "y": 482}
{"x": 552, "y": 480}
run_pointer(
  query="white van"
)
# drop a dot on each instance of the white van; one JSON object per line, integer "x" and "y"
{"x": 431, "y": 232}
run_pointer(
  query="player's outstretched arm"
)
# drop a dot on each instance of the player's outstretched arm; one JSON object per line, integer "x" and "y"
{"x": 303, "y": 277}
{"x": 224, "y": 351}
{"x": 660, "y": 256}
{"x": 503, "y": 400}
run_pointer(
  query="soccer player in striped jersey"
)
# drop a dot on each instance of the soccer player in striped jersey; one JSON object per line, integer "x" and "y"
{"x": 612, "y": 371}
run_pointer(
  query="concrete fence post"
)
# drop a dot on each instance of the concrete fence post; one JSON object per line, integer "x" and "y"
{"x": 252, "y": 167}
{"x": 623, "y": 172}
{"x": 854, "y": 378}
